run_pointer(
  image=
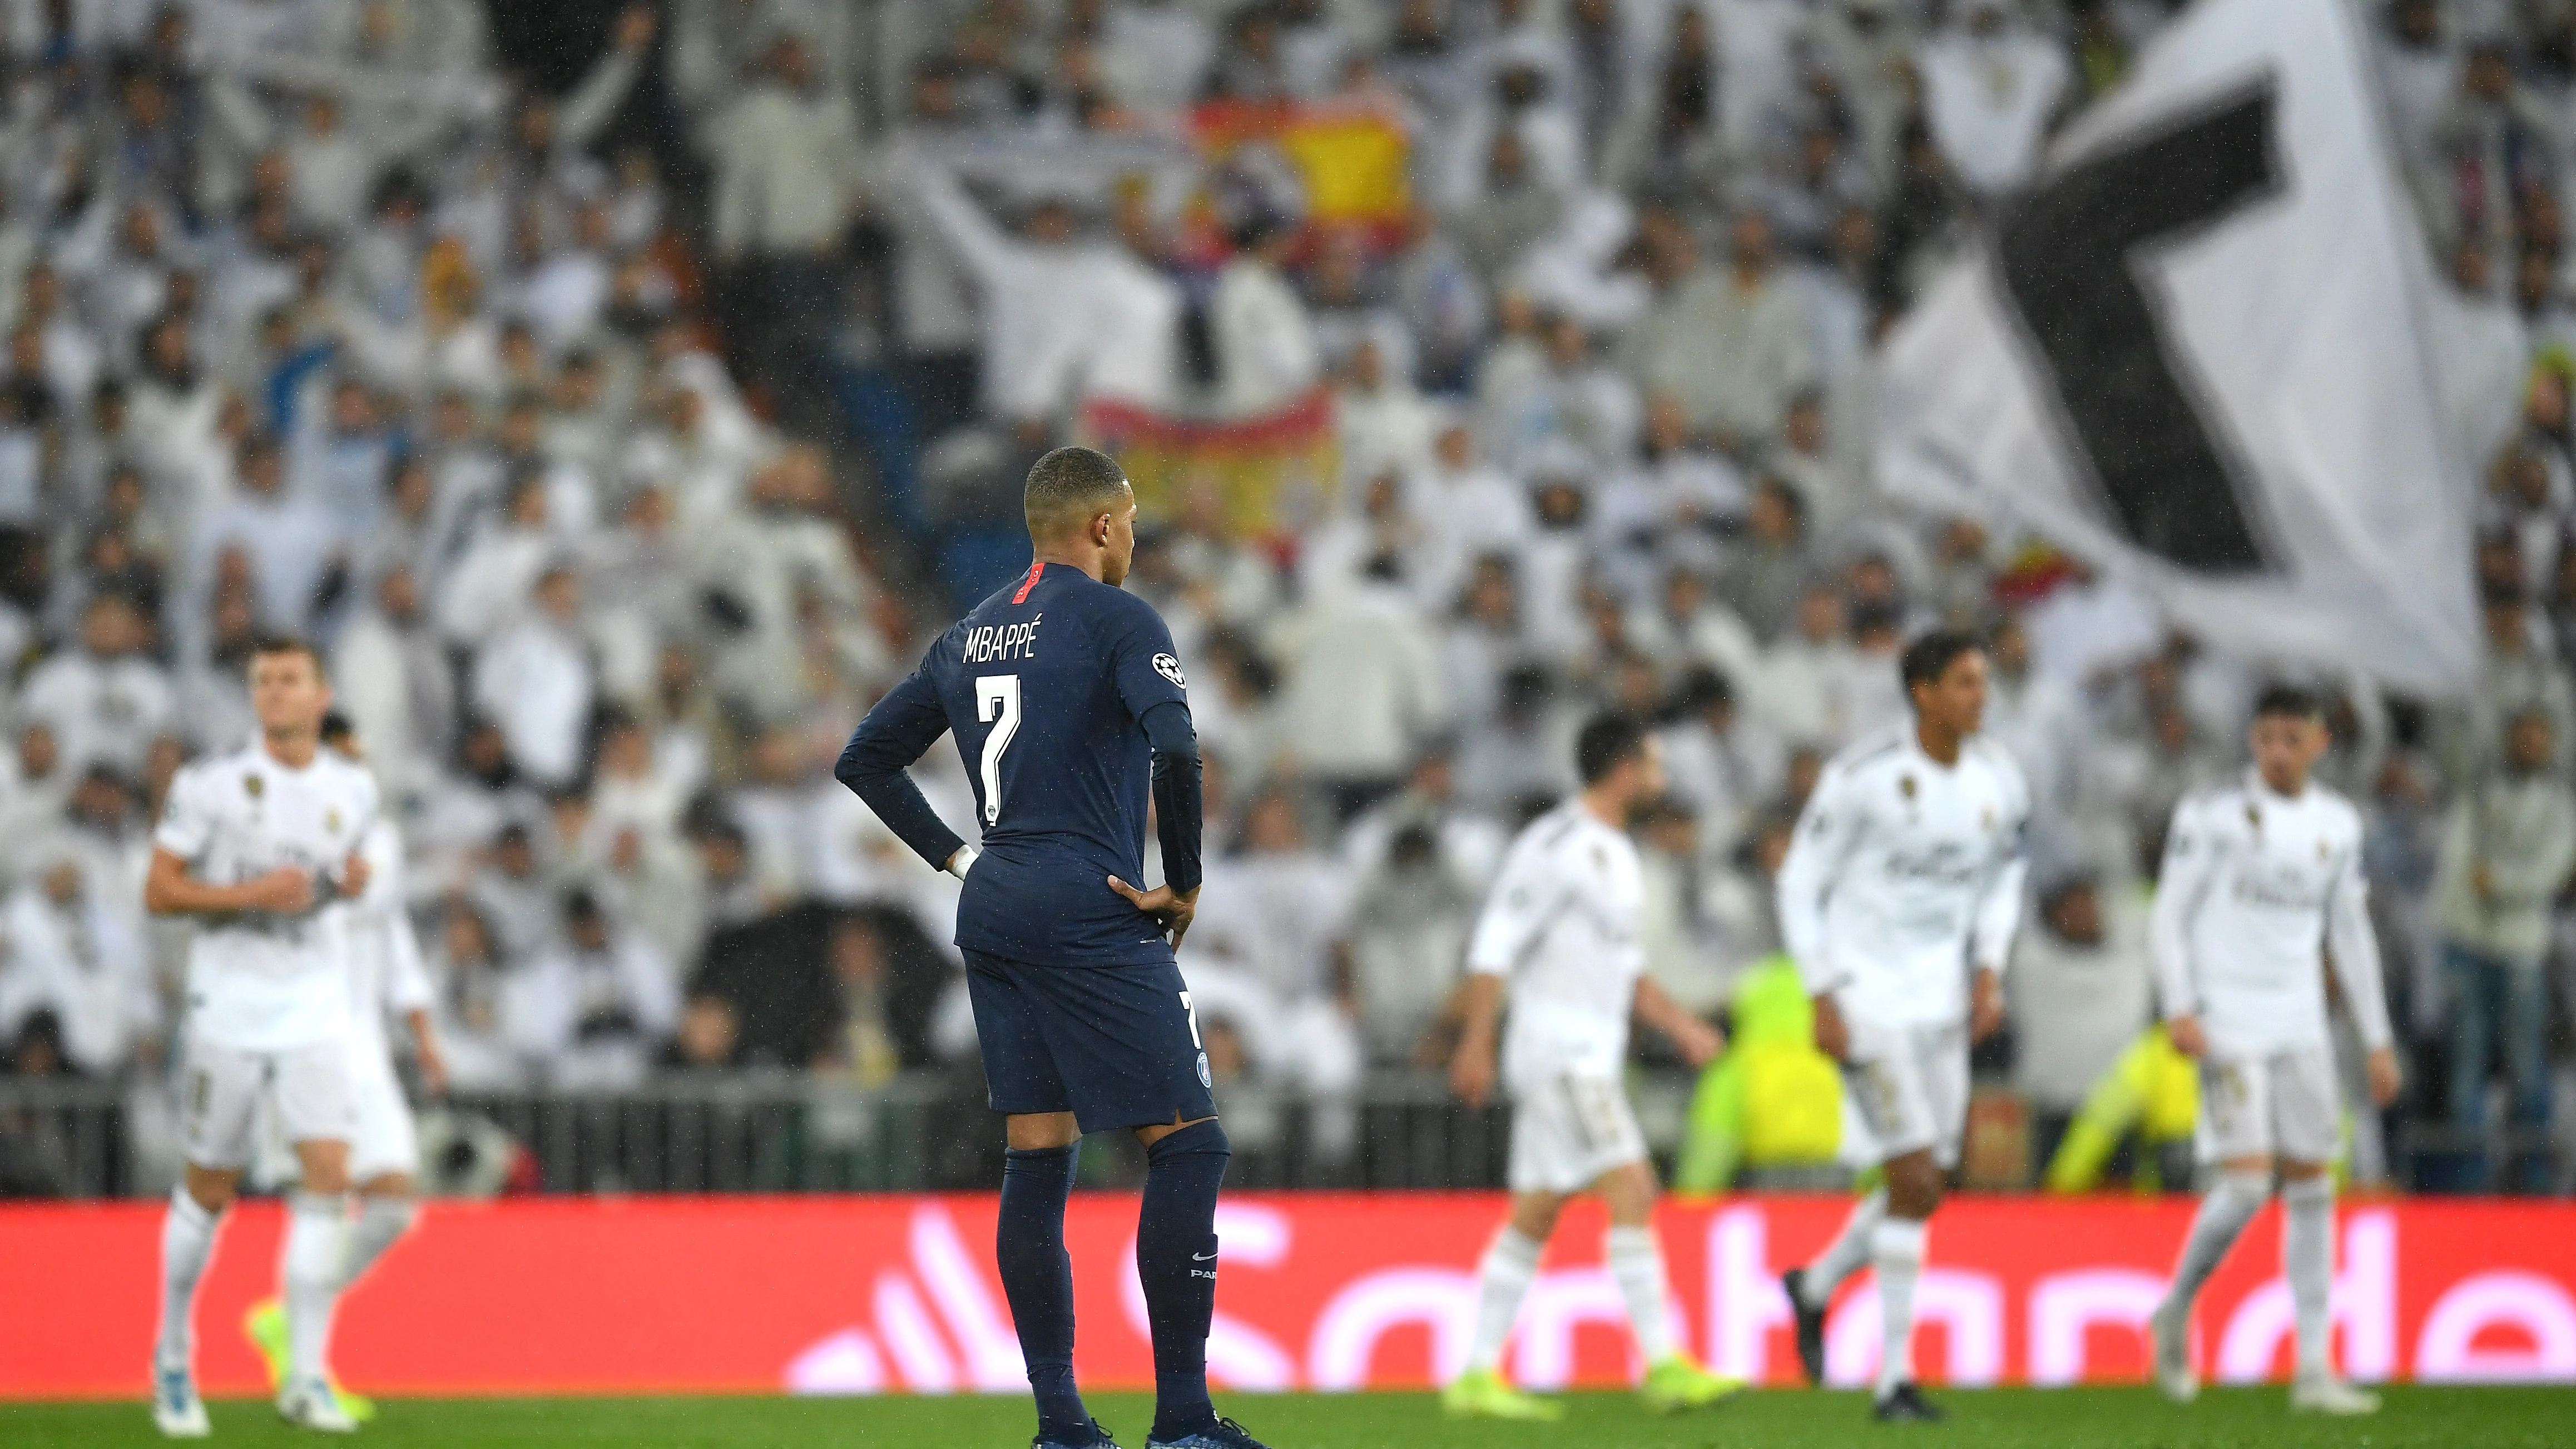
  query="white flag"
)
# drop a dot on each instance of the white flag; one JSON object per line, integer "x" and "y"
{"x": 2198, "y": 354}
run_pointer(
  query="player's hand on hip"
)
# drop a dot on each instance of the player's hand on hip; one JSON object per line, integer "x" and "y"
{"x": 1986, "y": 1004}
{"x": 284, "y": 891}
{"x": 1471, "y": 1074}
{"x": 1175, "y": 911}
{"x": 2385, "y": 1078}
{"x": 2187, "y": 1036}
{"x": 1833, "y": 1034}
{"x": 354, "y": 876}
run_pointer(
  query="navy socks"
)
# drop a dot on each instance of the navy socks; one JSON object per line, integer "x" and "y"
{"x": 1176, "y": 1263}
{"x": 1037, "y": 1276}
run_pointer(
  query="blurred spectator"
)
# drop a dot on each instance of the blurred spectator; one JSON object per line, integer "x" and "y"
{"x": 2507, "y": 853}
{"x": 1771, "y": 564}
{"x": 69, "y": 956}
{"x": 790, "y": 178}
{"x": 469, "y": 979}
{"x": 1281, "y": 916}
{"x": 1409, "y": 927}
{"x": 534, "y": 680}
{"x": 1730, "y": 346}
{"x": 592, "y": 1009}
{"x": 393, "y": 678}
{"x": 1726, "y": 765}
{"x": 1991, "y": 86}
{"x": 1359, "y": 687}
{"x": 106, "y": 699}
{"x": 2080, "y": 983}
{"x": 2521, "y": 674}
{"x": 1685, "y": 953}
{"x": 1266, "y": 351}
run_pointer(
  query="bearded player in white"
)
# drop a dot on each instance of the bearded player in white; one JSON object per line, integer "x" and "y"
{"x": 1904, "y": 874}
{"x": 1564, "y": 930}
{"x": 2257, "y": 876}
{"x": 262, "y": 847}
{"x": 386, "y": 978}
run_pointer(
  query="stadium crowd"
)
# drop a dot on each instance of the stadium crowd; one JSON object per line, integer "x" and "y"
{"x": 319, "y": 321}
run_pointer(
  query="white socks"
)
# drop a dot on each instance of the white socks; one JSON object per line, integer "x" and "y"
{"x": 323, "y": 1255}
{"x": 1896, "y": 1251}
{"x": 1637, "y": 1263}
{"x": 2224, "y": 1211}
{"x": 381, "y": 1222}
{"x": 1511, "y": 1265}
{"x": 1846, "y": 1253}
{"x": 1894, "y": 1247}
{"x": 1502, "y": 1279}
{"x": 187, "y": 1241}
{"x": 2307, "y": 1257}
{"x": 317, "y": 1239}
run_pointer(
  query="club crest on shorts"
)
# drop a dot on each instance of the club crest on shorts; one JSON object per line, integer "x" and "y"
{"x": 1170, "y": 668}
{"x": 331, "y": 820}
{"x": 1205, "y": 1078}
{"x": 1905, "y": 786}
{"x": 254, "y": 785}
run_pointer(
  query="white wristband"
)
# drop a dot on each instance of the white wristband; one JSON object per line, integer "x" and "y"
{"x": 963, "y": 861}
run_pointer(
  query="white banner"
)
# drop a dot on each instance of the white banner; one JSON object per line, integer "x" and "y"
{"x": 2200, "y": 354}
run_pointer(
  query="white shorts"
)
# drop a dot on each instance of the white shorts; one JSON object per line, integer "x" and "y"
{"x": 1570, "y": 1128}
{"x": 386, "y": 1141}
{"x": 221, "y": 1089}
{"x": 1908, "y": 1086}
{"x": 2283, "y": 1105}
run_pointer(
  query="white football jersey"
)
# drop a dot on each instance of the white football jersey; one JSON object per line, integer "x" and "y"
{"x": 1564, "y": 927}
{"x": 2254, "y": 884}
{"x": 259, "y": 982}
{"x": 1903, "y": 872}
{"x": 386, "y": 976}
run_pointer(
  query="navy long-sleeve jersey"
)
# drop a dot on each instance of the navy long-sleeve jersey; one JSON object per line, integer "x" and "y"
{"x": 1069, "y": 707}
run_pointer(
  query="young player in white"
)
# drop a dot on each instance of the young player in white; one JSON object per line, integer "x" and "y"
{"x": 261, "y": 847}
{"x": 1905, "y": 872}
{"x": 2257, "y": 876}
{"x": 1563, "y": 929}
{"x": 385, "y": 978}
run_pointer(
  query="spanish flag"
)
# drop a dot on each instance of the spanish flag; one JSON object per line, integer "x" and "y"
{"x": 1275, "y": 476}
{"x": 1352, "y": 155}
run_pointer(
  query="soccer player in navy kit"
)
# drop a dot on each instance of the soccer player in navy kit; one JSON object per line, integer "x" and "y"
{"x": 1064, "y": 692}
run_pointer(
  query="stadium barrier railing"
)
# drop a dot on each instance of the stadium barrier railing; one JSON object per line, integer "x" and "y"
{"x": 774, "y": 1130}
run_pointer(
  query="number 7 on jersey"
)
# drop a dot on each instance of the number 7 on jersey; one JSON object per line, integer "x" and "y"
{"x": 997, "y": 702}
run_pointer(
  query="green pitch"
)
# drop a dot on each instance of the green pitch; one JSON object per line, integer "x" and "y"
{"x": 2006, "y": 1419}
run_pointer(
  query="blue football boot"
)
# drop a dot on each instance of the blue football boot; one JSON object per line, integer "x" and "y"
{"x": 1226, "y": 1435}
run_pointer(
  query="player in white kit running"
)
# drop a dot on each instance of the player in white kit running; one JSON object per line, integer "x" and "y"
{"x": 261, "y": 847}
{"x": 1904, "y": 874}
{"x": 2258, "y": 875}
{"x": 1563, "y": 929}
{"x": 386, "y": 978}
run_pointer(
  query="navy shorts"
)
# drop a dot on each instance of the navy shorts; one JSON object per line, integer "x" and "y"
{"x": 1117, "y": 1046}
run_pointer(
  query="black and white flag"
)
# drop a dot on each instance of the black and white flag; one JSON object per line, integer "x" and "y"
{"x": 2202, "y": 354}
